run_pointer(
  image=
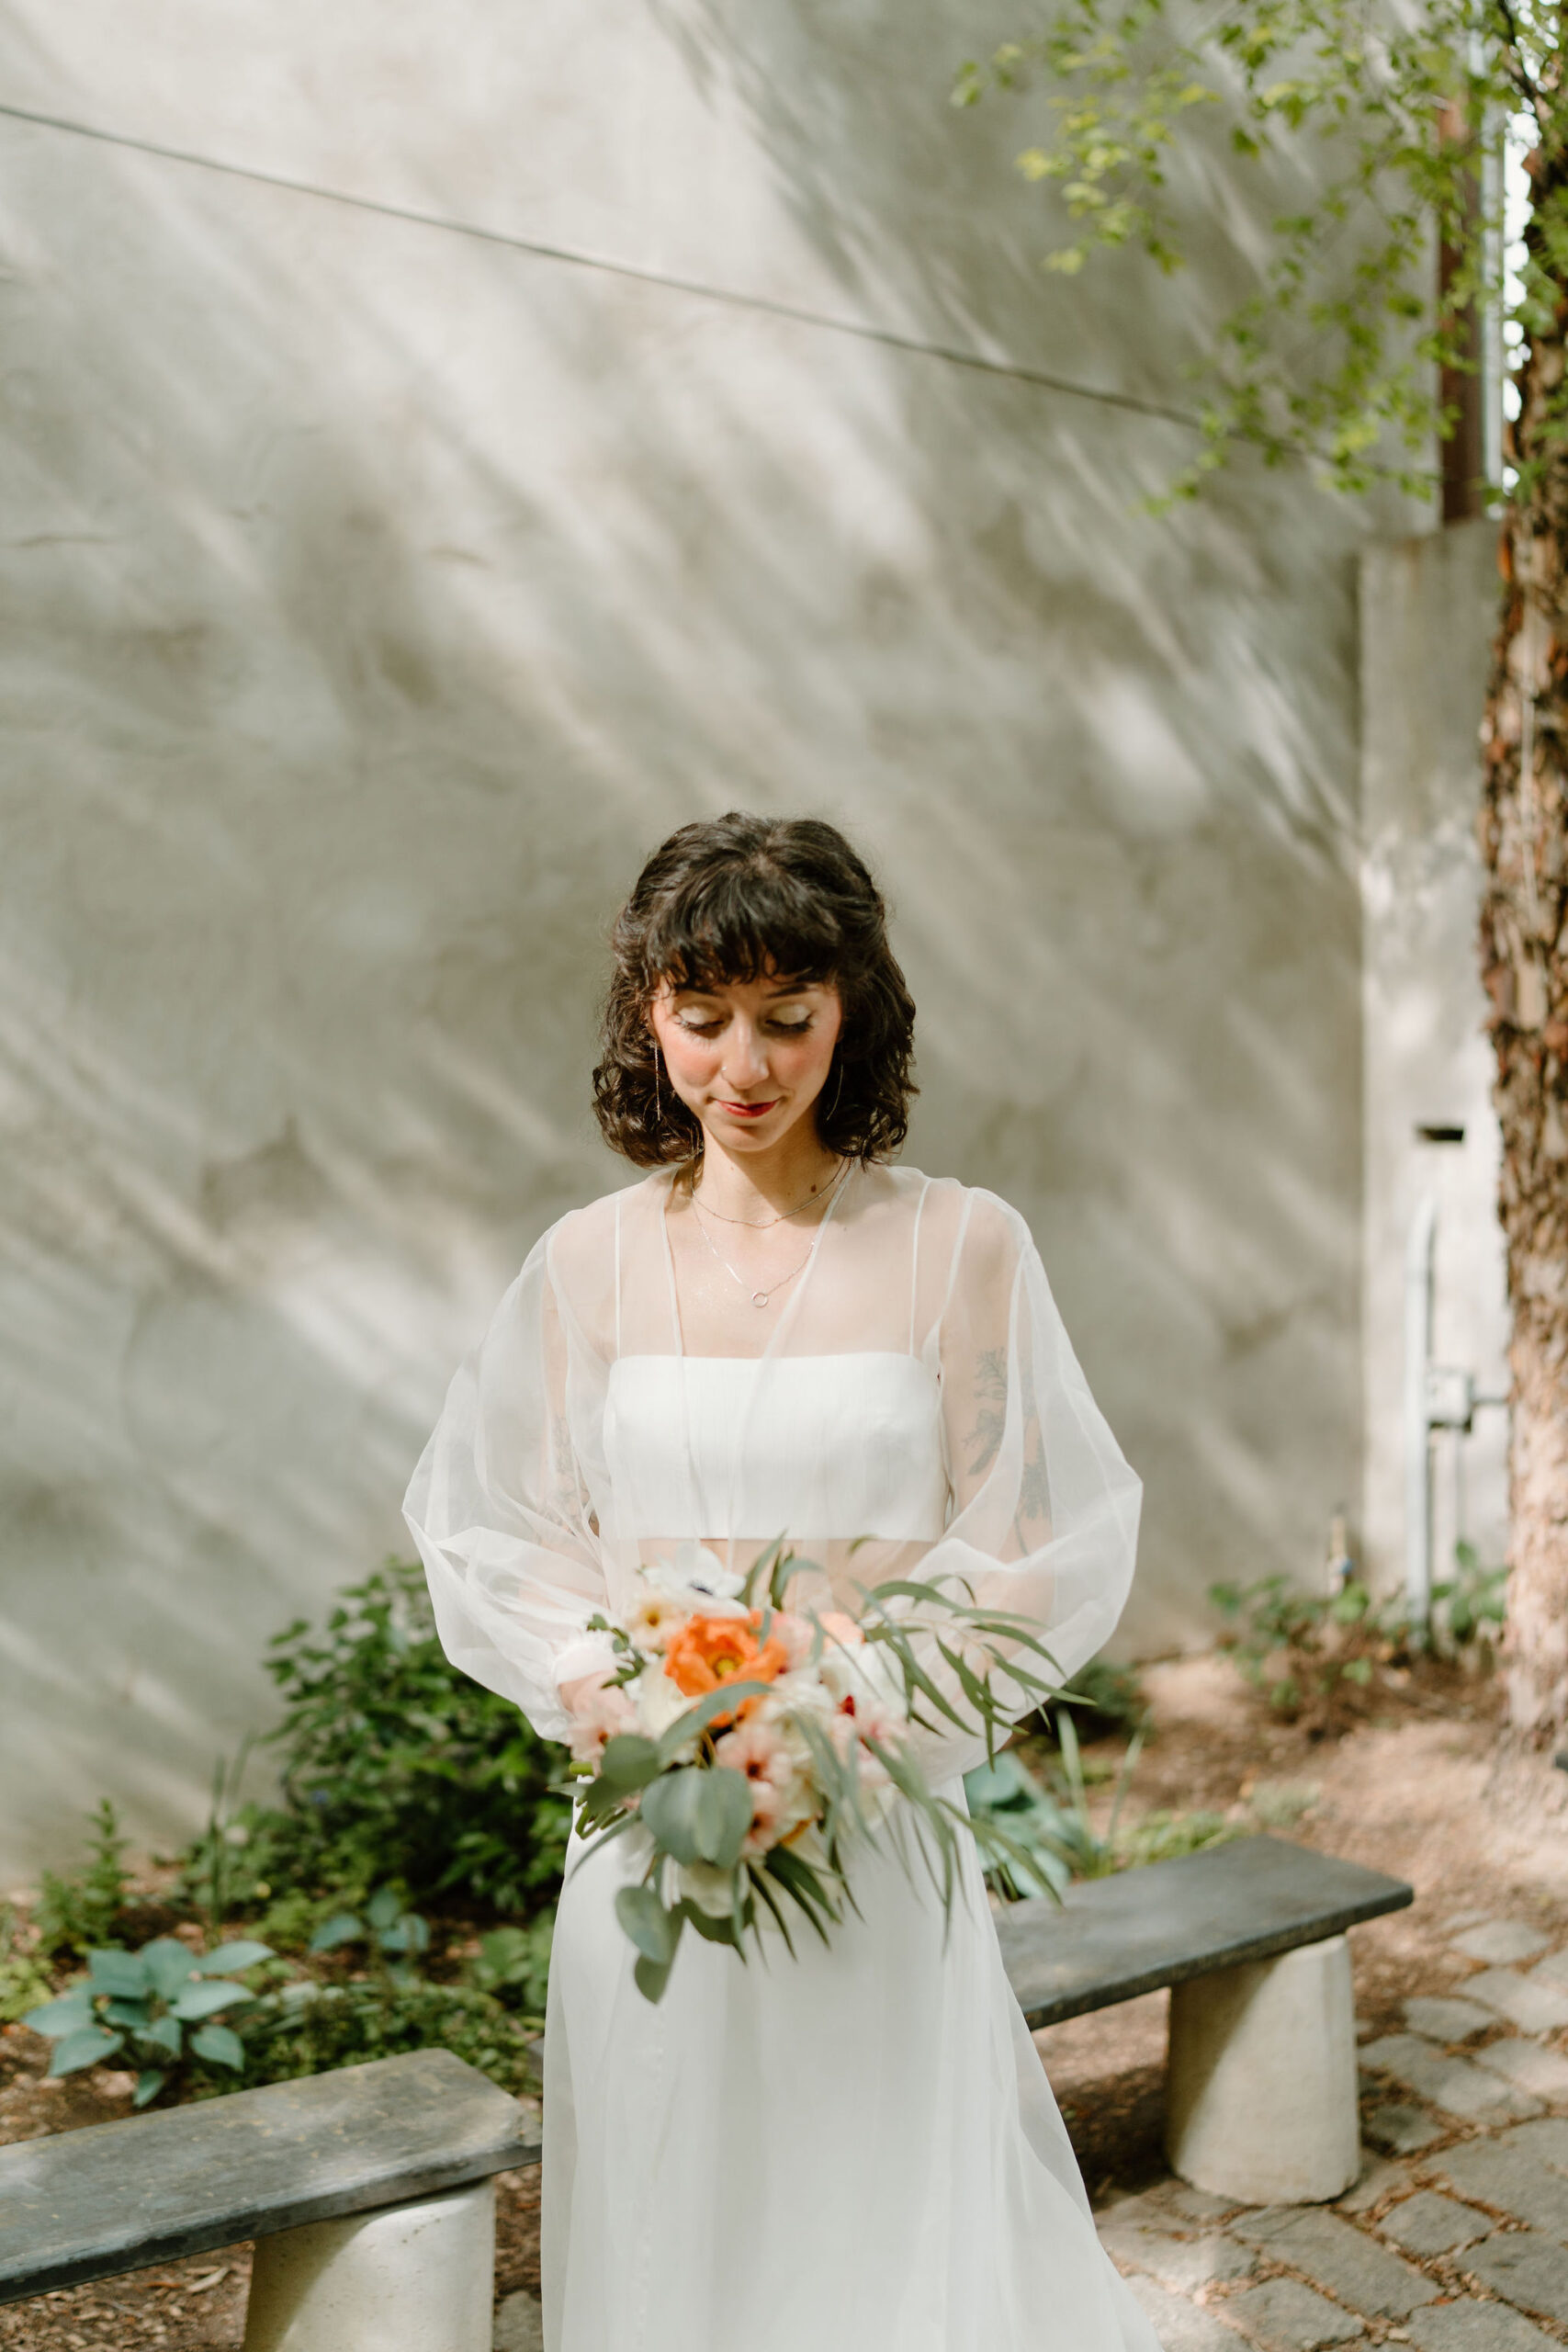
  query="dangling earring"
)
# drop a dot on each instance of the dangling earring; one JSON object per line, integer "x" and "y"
{"x": 838, "y": 1090}
{"x": 658, "y": 1104}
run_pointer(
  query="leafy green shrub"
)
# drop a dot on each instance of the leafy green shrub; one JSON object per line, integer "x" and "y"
{"x": 514, "y": 1964}
{"x": 307, "y": 2028}
{"x": 23, "y": 1981}
{"x": 390, "y": 1932}
{"x": 1161, "y": 1837}
{"x": 1300, "y": 1648}
{"x": 1469, "y": 1607}
{"x": 167, "y": 2002}
{"x": 71, "y": 1915}
{"x": 396, "y": 1768}
{"x": 1304, "y": 1650}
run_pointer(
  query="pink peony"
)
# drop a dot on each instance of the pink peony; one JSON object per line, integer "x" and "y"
{"x": 597, "y": 1716}
{"x": 772, "y": 1761}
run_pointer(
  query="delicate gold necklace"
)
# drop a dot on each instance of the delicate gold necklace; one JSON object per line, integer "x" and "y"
{"x": 758, "y": 1297}
{"x": 760, "y": 1223}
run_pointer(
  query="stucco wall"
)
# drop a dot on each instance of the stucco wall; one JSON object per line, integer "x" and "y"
{"x": 1429, "y": 614}
{"x": 372, "y": 594}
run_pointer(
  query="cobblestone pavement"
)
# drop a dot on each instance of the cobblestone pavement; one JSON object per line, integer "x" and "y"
{"x": 1455, "y": 2238}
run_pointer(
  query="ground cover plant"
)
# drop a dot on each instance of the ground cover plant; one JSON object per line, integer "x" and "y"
{"x": 400, "y": 1891}
{"x": 1324, "y": 1657}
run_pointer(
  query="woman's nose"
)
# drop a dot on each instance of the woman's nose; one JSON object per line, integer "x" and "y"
{"x": 744, "y": 1062}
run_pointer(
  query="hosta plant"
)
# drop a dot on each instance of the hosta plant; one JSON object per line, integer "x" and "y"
{"x": 164, "y": 2003}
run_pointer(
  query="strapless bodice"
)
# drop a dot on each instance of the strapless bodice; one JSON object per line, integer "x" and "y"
{"x": 811, "y": 1447}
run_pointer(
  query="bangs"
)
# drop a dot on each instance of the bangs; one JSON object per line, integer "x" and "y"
{"x": 736, "y": 924}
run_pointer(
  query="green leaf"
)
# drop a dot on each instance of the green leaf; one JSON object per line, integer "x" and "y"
{"x": 655, "y": 1932}
{"x": 168, "y": 1962}
{"x": 84, "y": 2049}
{"x": 124, "y": 1973}
{"x": 411, "y": 1934}
{"x": 699, "y": 1814}
{"x": 711, "y": 1930}
{"x": 148, "y": 2083}
{"x": 343, "y": 1927}
{"x": 384, "y": 1907}
{"x": 801, "y": 1881}
{"x": 628, "y": 1763}
{"x": 206, "y": 2000}
{"x": 69, "y": 2014}
{"x": 724, "y": 1816}
{"x": 700, "y": 1717}
{"x": 243, "y": 1954}
{"x": 165, "y": 2033}
{"x": 135, "y": 2015}
{"x": 650, "y": 1977}
{"x": 220, "y": 2046}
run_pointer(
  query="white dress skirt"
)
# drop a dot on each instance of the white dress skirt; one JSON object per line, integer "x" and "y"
{"x": 854, "y": 2149}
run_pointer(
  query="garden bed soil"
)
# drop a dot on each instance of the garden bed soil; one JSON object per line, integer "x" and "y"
{"x": 1416, "y": 1785}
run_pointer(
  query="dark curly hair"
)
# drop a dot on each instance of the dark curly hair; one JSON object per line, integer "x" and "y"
{"x": 726, "y": 901}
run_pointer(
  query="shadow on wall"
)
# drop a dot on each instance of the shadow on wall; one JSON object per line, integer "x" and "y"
{"x": 373, "y": 597}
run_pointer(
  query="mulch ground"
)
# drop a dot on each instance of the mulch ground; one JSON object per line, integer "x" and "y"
{"x": 1416, "y": 1783}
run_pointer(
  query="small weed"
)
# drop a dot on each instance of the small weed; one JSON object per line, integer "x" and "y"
{"x": 71, "y": 1915}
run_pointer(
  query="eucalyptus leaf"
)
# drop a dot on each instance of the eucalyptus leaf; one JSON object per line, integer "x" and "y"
{"x": 628, "y": 1763}
{"x": 655, "y": 1932}
{"x": 650, "y": 1976}
{"x": 670, "y": 1816}
{"x": 707, "y": 1710}
{"x": 87, "y": 2048}
{"x": 724, "y": 1811}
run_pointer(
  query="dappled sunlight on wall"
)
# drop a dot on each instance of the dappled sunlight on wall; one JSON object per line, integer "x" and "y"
{"x": 374, "y": 596}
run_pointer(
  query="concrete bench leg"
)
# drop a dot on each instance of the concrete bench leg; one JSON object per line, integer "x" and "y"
{"x": 408, "y": 2278}
{"x": 1260, "y": 2092}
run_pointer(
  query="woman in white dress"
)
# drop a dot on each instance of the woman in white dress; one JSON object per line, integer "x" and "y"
{"x": 780, "y": 1333}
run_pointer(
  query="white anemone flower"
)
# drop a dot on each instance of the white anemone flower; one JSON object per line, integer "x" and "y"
{"x": 695, "y": 1579}
{"x": 711, "y": 1890}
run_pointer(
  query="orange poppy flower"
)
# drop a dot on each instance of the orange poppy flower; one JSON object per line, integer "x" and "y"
{"x": 706, "y": 1652}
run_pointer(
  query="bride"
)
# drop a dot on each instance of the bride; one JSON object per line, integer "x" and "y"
{"x": 779, "y": 1332}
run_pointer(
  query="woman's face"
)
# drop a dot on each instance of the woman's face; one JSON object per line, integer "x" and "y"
{"x": 748, "y": 1057}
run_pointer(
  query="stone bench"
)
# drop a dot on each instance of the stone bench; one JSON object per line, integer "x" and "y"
{"x": 369, "y": 2193}
{"x": 1260, "y": 2085}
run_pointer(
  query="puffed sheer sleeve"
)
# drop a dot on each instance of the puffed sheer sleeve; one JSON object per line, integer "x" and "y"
{"x": 1044, "y": 1515}
{"x": 499, "y": 1510}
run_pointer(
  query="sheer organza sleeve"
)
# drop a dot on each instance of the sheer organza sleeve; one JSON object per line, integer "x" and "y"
{"x": 499, "y": 1511}
{"x": 1045, "y": 1518}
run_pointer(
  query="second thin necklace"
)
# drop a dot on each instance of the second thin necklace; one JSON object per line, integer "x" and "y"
{"x": 760, "y": 1298}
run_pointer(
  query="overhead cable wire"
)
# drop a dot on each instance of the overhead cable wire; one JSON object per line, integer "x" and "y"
{"x": 865, "y": 331}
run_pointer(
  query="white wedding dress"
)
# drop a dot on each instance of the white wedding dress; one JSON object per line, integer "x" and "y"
{"x": 855, "y": 2150}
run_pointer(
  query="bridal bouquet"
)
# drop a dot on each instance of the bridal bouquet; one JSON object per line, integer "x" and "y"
{"x": 750, "y": 1746}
